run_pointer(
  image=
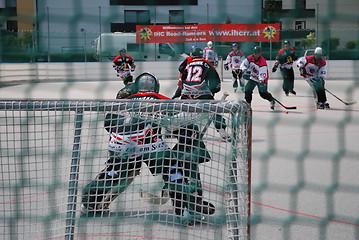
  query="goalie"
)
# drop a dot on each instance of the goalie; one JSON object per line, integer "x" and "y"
{"x": 135, "y": 140}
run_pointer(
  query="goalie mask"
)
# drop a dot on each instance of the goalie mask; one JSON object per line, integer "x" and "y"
{"x": 147, "y": 82}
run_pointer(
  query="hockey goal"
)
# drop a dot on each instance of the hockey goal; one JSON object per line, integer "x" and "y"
{"x": 55, "y": 164}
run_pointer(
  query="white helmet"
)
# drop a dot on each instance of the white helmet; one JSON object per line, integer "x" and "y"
{"x": 210, "y": 44}
{"x": 318, "y": 51}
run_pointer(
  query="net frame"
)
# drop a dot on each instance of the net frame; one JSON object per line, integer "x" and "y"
{"x": 28, "y": 111}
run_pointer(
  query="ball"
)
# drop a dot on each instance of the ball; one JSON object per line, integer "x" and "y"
{"x": 286, "y": 112}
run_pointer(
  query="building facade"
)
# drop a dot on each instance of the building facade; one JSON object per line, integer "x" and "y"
{"x": 328, "y": 19}
{"x": 66, "y": 23}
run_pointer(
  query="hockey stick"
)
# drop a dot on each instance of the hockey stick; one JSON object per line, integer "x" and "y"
{"x": 211, "y": 118}
{"x": 346, "y": 103}
{"x": 286, "y": 107}
{"x": 153, "y": 198}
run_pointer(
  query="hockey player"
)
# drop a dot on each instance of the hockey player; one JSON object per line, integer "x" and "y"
{"x": 234, "y": 60}
{"x": 314, "y": 69}
{"x": 135, "y": 140}
{"x": 124, "y": 65}
{"x": 284, "y": 61}
{"x": 257, "y": 65}
{"x": 200, "y": 80}
{"x": 210, "y": 54}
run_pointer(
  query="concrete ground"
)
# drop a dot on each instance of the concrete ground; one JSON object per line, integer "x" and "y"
{"x": 305, "y": 161}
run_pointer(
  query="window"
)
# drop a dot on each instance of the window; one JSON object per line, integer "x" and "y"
{"x": 300, "y": 25}
{"x": 123, "y": 27}
{"x": 139, "y": 17}
{"x": 153, "y": 2}
{"x": 176, "y": 17}
{"x": 11, "y": 25}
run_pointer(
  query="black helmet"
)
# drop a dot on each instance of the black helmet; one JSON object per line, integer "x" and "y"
{"x": 197, "y": 52}
{"x": 257, "y": 49}
{"x": 122, "y": 50}
{"x": 147, "y": 82}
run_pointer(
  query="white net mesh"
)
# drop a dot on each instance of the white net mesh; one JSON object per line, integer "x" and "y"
{"x": 125, "y": 169}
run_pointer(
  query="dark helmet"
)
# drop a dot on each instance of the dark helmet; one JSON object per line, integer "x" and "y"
{"x": 122, "y": 50}
{"x": 234, "y": 45}
{"x": 197, "y": 52}
{"x": 147, "y": 82}
{"x": 257, "y": 49}
{"x": 194, "y": 47}
{"x": 286, "y": 42}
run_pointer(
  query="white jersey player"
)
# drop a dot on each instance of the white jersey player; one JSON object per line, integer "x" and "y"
{"x": 234, "y": 60}
{"x": 257, "y": 65}
{"x": 210, "y": 54}
{"x": 314, "y": 69}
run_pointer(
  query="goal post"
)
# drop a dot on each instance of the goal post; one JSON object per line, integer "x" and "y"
{"x": 86, "y": 169}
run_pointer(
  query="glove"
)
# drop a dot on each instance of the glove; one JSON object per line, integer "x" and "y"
{"x": 274, "y": 69}
{"x": 226, "y": 67}
{"x": 303, "y": 72}
{"x": 132, "y": 69}
{"x": 119, "y": 68}
{"x": 216, "y": 63}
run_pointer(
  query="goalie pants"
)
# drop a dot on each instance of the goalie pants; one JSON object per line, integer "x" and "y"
{"x": 288, "y": 79}
{"x": 179, "y": 169}
{"x": 262, "y": 88}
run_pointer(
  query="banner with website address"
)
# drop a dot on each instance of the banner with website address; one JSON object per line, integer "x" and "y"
{"x": 208, "y": 32}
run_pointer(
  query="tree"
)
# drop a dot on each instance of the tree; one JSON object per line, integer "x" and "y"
{"x": 351, "y": 45}
{"x": 331, "y": 44}
{"x": 309, "y": 40}
{"x": 228, "y": 20}
{"x": 269, "y": 12}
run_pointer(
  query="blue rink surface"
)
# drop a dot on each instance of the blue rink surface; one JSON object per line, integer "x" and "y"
{"x": 305, "y": 162}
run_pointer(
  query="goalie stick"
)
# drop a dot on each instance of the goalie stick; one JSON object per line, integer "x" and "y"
{"x": 224, "y": 96}
{"x": 153, "y": 198}
{"x": 346, "y": 103}
{"x": 286, "y": 107}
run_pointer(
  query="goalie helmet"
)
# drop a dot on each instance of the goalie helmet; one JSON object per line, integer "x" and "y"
{"x": 210, "y": 44}
{"x": 197, "y": 52}
{"x": 147, "y": 82}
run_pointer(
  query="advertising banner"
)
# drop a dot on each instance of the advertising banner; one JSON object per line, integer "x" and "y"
{"x": 208, "y": 32}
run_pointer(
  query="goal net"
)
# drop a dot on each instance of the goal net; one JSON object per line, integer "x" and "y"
{"x": 125, "y": 169}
